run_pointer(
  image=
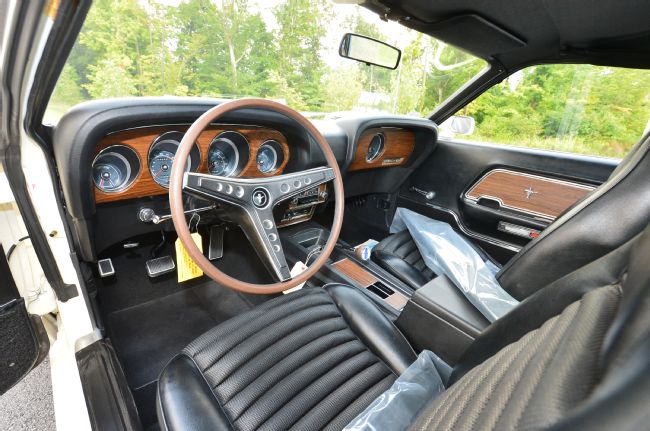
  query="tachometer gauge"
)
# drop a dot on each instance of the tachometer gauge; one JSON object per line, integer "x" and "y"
{"x": 115, "y": 168}
{"x": 267, "y": 159}
{"x": 160, "y": 166}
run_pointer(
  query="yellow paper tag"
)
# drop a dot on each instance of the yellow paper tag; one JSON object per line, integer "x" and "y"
{"x": 185, "y": 266}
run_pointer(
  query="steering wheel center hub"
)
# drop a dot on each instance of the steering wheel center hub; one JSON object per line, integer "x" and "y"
{"x": 260, "y": 197}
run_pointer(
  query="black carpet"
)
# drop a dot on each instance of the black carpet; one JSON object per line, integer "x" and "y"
{"x": 150, "y": 320}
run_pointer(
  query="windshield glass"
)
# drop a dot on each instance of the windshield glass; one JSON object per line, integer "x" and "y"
{"x": 286, "y": 50}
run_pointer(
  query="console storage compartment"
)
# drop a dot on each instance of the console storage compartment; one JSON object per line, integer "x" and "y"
{"x": 439, "y": 318}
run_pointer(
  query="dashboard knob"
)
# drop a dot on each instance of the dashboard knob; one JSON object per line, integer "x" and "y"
{"x": 323, "y": 195}
{"x": 146, "y": 215}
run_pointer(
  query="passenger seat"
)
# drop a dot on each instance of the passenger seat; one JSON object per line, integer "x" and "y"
{"x": 611, "y": 215}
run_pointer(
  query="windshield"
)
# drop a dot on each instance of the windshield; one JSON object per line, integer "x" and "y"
{"x": 286, "y": 50}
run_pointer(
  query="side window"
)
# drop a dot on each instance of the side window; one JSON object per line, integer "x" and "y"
{"x": 594, "y": 110}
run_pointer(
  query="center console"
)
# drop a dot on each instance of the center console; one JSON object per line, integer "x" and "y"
{"x": 437, "y": 316}
{"x": 304, "y": 242}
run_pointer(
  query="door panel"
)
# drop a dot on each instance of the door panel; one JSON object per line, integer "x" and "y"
{"x": 23, "y": 341}
{"x": 535, "y": 196}
{"x": 478, "y": 187}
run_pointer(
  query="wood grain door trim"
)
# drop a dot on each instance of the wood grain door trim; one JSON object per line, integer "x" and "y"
{"x": 398, "y": 147}
{"x": 532, "y": 194}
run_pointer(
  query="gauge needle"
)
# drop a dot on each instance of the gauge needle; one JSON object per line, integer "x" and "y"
{"x": 157, "y": 173}
{"x": 101, "y": 183}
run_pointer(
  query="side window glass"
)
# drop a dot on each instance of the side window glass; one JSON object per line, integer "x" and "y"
{"x": 594, "y": 110}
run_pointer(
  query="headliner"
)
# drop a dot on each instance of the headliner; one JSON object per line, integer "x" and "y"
{"x": 517, "y": 33}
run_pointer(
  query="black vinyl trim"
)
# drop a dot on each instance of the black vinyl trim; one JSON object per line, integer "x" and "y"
{"x": 108, "y": 398}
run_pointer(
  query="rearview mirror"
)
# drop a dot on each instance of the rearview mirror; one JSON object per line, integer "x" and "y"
{"x": 370, "y": 51}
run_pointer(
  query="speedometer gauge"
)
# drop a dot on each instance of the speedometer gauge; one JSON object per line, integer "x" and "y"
{"x": 161, "y": 157}
{"x": 160, "y": 165}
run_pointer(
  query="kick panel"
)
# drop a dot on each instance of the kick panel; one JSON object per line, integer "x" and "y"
{"x": 536, "y": 195}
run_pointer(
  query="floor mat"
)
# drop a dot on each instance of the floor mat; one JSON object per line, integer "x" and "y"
{"x": 146, "y": 336}
{"x": 150, "y": 320}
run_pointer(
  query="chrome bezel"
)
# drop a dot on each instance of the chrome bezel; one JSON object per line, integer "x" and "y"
{"x": 381, "y": 136}
{"x": 129, "y": 180}
{"x": 276, "y": 163}
{"x": 157, "y": 142}
{"x": 232, "y": 145}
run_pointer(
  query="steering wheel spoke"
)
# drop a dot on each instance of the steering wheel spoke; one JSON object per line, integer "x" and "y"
{"x": 218, "y": 189}
{"x": 261, "y": 231}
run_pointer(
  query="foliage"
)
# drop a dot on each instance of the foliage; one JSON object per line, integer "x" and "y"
{"x": 576, "y": 108}
{"x": 286, "y": 50}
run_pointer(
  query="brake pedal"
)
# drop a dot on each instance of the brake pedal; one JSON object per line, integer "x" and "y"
{"x": 159, "y": 266}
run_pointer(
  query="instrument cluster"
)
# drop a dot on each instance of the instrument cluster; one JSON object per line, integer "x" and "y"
{"x": 229, "y": 153}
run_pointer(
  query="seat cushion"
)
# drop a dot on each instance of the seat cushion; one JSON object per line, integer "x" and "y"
{"x": 292, "y": 363}
{"x": 399, "y": 255}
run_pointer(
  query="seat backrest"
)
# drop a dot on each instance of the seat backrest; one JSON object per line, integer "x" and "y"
{"x": 608, "y": 217}
{"x": 585, "y": 368}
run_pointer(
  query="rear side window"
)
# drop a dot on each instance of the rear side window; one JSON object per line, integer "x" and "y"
{"x": 595, "y": 110}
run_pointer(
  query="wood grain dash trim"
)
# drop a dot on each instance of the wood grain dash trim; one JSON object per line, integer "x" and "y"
{"x": 140, "y": 140}
{"x": 528, "y": 193}
{"x": 398, "y": 147}
{"x": 355, "y": 272}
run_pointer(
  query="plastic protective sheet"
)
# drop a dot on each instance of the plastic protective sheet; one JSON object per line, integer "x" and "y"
{"x": 446, "y": 252}
{"x": 395, "y": 409}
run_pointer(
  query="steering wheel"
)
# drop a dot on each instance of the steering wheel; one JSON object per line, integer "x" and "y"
{"x": 249, "y": 202}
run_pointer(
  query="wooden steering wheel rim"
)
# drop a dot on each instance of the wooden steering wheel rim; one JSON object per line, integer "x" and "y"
{"x": 178, "y": 212}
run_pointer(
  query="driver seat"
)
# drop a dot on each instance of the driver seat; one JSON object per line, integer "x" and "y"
{"x": 574, "y": 355}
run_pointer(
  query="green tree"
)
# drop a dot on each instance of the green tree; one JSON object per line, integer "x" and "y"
{"x": 302, "y": 26}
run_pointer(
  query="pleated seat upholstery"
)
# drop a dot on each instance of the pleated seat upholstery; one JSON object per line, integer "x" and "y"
{"x": 293, "y": 363}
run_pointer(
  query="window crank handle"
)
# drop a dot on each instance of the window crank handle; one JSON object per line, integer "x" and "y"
{"x": 428, "y": 195}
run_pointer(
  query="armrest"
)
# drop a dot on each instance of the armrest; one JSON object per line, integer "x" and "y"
{"x": 439, "y": 318}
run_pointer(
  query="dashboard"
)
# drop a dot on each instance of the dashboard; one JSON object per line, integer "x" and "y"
{"x": 114, "y": 159}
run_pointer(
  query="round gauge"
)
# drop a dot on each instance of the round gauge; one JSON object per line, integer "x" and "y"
{"x": 161, "y": 157}
{"x": 160, "y": 165}
{"x": 267, "y": 158}
{"x": 115, "y": 168}
{"x": 223, "y": 157}
{"x": 375, "y": 148}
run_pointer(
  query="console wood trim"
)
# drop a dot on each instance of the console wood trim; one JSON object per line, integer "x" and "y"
{"x": 140, "y": 140}
{"x": 398, "y": 147}
{"x": 365, "y": 279}
{"x": 536, "y": 195}
{"x": 355, "y": 272}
